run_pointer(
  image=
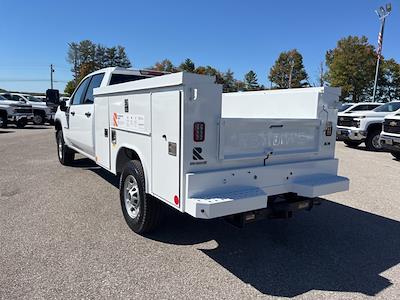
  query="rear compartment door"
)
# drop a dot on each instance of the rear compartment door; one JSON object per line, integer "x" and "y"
{"x": 165, "y": 136}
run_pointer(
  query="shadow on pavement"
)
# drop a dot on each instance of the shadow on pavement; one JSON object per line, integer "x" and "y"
{"x": 6, "y": 131}
{"x": 332, "y": 248}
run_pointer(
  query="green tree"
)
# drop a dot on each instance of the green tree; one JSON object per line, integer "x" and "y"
{"x": 351, "y": 66}
{"x": 288, "y": 71}
{"x": 70, "y": 87}
{"x": 122, "y": 59}
{"x": 389, "y": 81}
{"x": 251, "y": 81}
{"x": 229, "y": 82}
{"x": 187, "y": 65}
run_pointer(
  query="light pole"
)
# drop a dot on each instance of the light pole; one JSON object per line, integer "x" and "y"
{"x": 291, "y": 63}
{"x": 51, "y": 75}
{"x": 382, "y": 13}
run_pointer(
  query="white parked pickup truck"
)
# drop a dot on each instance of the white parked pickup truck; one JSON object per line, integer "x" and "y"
{"x": 41, "y": 111}
{"x": 177, "y": 139}
{"x": 11, "y": 112}
{"x": 356, "y": 128}
{"x": 390, "y": 135}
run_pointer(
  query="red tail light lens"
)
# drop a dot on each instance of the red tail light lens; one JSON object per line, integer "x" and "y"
{"x": 199, "y": 131}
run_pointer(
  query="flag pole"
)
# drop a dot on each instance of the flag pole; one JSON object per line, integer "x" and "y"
{"x": 379, "y": 52}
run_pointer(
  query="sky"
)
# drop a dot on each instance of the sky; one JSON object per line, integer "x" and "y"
{"x": 240, "y": 35}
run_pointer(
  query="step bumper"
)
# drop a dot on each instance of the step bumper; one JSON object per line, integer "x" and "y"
{"x": 246, "y": 193}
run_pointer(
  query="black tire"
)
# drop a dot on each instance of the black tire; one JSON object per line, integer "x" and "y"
{"x": 38, "y": 119}
{"x": 3, "y": 121}
{"x": 352, "y": 144}
{"x": 370, "y": 141}
{"x": 148, "y": 209}
{"x": 65, "y": 155}
{"x": 396, "y": 154}
{"x": 21, "y": 123}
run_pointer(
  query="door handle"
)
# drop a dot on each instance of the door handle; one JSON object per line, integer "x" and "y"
{"x": 72, "y": 113}
{"x": 88, "y": 114}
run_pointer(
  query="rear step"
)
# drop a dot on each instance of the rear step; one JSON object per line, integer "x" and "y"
{"x": 278, "y": 208}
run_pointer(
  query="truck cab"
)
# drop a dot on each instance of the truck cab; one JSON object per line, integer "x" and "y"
{"x": 78, "y": 121}
{"x": 358, "y": 127}
{"x": 12, "y": 112}
{"x": 41, "y": 111}
{"x": 390, "y": 135}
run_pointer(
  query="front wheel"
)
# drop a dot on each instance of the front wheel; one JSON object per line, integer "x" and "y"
{"x": 352, "y": 144}
{"x": 372, "y": 141}
{"x": 3, "y": 121}
{"x": 396, "y": 154}
{"x": 141, "y": 211}
{"x": 65, "y": 154}
{"x": 21, "y": 123}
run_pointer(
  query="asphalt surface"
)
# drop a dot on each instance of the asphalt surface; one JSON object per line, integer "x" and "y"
{"x": 62, "y": 236}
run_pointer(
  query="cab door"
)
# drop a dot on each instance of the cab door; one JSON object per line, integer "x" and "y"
{"x": 81, "y": 115}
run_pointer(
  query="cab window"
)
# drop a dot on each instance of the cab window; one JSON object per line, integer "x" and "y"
{"x": 80, "y": 92}
{"x": 95, "y": 82}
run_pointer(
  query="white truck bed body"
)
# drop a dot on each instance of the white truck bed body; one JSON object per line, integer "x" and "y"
{"x": 256, "y": 145}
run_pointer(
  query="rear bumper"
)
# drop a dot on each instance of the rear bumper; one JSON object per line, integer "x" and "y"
{"x": 389, "y": 142}
{"x": 223, "y": 193}
{"x": 350, "y": 133}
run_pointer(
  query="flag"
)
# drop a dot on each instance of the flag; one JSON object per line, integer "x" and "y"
{"x": 380, "y": 41}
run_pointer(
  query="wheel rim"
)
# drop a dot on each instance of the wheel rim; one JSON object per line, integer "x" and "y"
{"x": 59, "y": 146}
{"x": 376, "y": 143}
{"x": 37, "y": 119}
{"x": 131, "y": 196}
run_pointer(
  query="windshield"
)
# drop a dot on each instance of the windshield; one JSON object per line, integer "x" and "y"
{"x": 388, "y": 107}
{"x": 32, "y": 99}
{"x": 344, "y": 107}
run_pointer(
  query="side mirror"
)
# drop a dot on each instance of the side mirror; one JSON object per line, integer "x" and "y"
{"x": 63, "y": 105}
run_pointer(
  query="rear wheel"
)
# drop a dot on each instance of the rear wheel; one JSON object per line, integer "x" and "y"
{"x": 65, "y": 154}
{"x": 352, "y": 144}
{"x": 21, "y": 123}
{"x": 396, "y": 154}
{"x": 372, "y": 141}
{"x": 142, "y": 212}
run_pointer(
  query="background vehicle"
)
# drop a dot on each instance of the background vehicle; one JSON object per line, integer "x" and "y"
{"x": 41, "y": 112}
{"x": 11, "y": 112}
{"x": 358, "y": 127}
{"x": 177, "y": 139}
{"x": 357, "y": 107}
{"x": 390, "y": 135}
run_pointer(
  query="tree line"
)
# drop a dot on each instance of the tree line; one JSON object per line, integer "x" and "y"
{"x": 350, "y": 65}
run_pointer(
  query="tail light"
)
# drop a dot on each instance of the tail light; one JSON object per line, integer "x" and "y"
{"x": 328, "y": 129}
{"x": 199, "y": 131}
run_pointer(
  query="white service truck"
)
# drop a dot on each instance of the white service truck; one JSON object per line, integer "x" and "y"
{"x": 177, "y": 139}
{"x": 358, "y": 127}
{"x": 390, "y": 135}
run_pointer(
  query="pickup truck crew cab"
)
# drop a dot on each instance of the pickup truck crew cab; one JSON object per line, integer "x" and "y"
{"x": 177, "y": 139}
{"x": 356, "y": 128}
{"x": 390, "y": 135}
{"x": 11, "y": 112}
{"x": 41, "y": 112}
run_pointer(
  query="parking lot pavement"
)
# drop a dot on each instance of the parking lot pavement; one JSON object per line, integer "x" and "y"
{"x": 62, "y": 235}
